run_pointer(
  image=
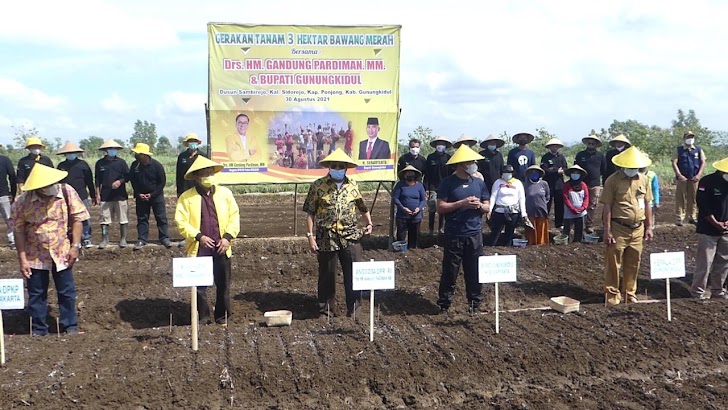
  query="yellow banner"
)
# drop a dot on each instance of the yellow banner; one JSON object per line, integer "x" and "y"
{"x": 281, "y": 98}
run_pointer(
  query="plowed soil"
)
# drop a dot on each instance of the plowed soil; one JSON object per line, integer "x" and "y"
{"x": 134, "y": 352}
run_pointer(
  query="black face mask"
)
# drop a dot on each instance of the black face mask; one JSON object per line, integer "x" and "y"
{"x": 409, "y": 178}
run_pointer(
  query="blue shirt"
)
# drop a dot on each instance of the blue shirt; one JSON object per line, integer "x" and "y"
{"x": 410, "y": 197}
{"x": 520, "y": 160}
{"x": 462, "y": 222}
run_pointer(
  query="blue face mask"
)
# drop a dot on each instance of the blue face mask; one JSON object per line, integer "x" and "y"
{"x": 111, "y": 152}
{"x": 71, "y": 157}
{"x": 337, "y": 174}
{"x": 492, "y": 147}
{"x": 192, "y": 146}
{"x": 575, "y": 177}
{"x": 534, "y": 176}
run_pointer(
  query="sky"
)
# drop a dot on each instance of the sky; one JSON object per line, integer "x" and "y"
{"x": 78, "y": 68}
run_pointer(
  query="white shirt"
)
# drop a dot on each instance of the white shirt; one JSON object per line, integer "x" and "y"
{"x": 244, "y": 141}
{"x": 508, "y": 194}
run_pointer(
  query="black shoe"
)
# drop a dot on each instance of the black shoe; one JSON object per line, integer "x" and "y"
{"x": 166, "y": 242}
{"x": 139, "y": 245}
{"x": 12, "y": 246}
{"x": 443, "y": 310}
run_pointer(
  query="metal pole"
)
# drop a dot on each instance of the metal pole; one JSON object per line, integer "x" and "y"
{"x": 391, "y": 216}
{"x": 295, "y": 205}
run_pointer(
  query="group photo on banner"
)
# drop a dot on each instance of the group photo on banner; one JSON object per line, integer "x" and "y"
{"x": 282, "y": 98}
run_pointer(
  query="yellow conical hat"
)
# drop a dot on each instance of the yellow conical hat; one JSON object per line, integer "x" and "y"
{"x": 721, "y": 165}
{"x": 464, "y": 154}
{"x": 42, "y": 176}
{"x": 34, "y": 141}
{"x": 69, "y": 148}
{"x": 620, "y": 138}
{"x": 554, "y": 141}
{"x": 202, "y": 163}
{"x": 632, "y": 158}
{"x": 464, "y": 139}
{"x": 338, "y": 156}
{"x": 110, "y": 144}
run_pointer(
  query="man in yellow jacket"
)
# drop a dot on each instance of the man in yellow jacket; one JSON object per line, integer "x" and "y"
{"x": 208, "y": 218}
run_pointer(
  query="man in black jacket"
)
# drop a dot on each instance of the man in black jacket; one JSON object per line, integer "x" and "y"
{"x": 435, "y": 171}
{"x": 82, "y": 180}
{"x": 413, "y": 158}
{"x": 8, "y": 190}
{"x": 492, "y": 162}
{"x": 147, "y": 178}
{"x": 554, "y": 164}
{"x": 595, "y": 165}
{"x": 25, "y": 164}
{"x": 185, "y": 160}
{"x": 111, "y": 175}
{"x": 618, "y": 144}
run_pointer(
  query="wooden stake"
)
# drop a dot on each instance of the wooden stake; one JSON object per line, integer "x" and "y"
{"x": 58, "y": 328}
{"x": 295, "y": 205}
{"x": 170, "y": 323}
{"x": 371, "y": 315}
{"x": 669, "y": 307}
{"x": 497, "y": 310}
{"x": 194, "y": 318}
{"x": 2, "y": 340}
{"x": 30, "y": 329}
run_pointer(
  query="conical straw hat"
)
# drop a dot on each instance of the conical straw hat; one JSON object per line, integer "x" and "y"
{"x": 465, "y": 139}
{"x": 42, "y": 176}
{"x": 620, "y": 138}
{"x": 536, "y": 168}
{"x": 527, "y": 134}
{"x": 338, "y": 156}
{"x": 464, "y": 154}
{"x": 498, "y": 141}
{"x": 632, "y": 158}
{"x": 441, "y": 139}
{"x": 554, "y": 141}
{"x": 593, "y": 138}
{"x": 110, "y": 144}
{"x": 408, "y": 168}
{"x": 69, "y": 148}
{"x": 576, "y": 168}
{"x": 202, "y": 163}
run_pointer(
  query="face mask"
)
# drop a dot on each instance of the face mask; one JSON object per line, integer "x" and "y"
{"x": 35, "y": 151}
{"x": 192, "y": 146}
{"x": 207, "y": 181}
{"x": 534, "y": 176}
{"x": 337, "y": 174}
{"x": 414, "y": 151}
{"x": 554, "y": 150}
{"x": 507, "y": 176}
{"x": 50, "y": 190}
{"x": 471, "y": 169}
{"x": 111, "y": 152}
{"x": 725, "y": 177}
{"x": 631, "y": 172}
{"x": 492, "y": 147}
{"x": 620, "y": 149}
{"x": 71, "y": 157}
{"x": 576, "y": 177}
{"x": 440, "y": 148}
{"x": 409, "y": 177}
{"x": 690, "y": 141}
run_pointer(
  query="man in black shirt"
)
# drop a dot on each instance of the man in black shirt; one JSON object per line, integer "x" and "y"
{"x": 492, "y": 162}
{"x": 711, "y": 258}
{"x": 413, "y": 158}
{"x": 147, "y": 178}
{"x": 25, "y": 164}
{"x": 81, "y": 179}
{"x": 111, "y": 177}
{"x": 554, "y": 164}
{"x": 185, "y": 160}
{"x": 618, "y": 144}
{"x": 595, "y": 165}
{"x": 8, "y": 189}
{"x": 436, "y": 170}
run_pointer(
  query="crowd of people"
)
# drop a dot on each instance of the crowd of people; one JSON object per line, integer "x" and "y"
{"x": 306, "y": 148}
{"x": 47, "y": 212}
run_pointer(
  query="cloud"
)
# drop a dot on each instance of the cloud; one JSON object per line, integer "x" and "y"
{"x": 116, "y": 104}
{"x": 5, "y": 121}
{"x": 14, "y": 92}
{"x": 179, "y": 102}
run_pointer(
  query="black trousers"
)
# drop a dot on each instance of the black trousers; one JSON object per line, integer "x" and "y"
{"x": 409, "y": 229}
{"x": 327, "y": 277}
{"x": 457, "y": 251}
{"x": 431, "y": 220}
{"x": 557, "y": 198}
{"x": 143, "y": 209}
{"x": 578, "y": 224}
{"x": 221, "y": 268}
{"x": 498, "y": 221}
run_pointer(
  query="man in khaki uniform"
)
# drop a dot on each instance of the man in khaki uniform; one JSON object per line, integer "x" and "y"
{"x": 627, "y": 220}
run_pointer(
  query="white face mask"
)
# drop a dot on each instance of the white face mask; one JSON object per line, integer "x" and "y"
{"x": 471, "y": 169}
{"x": 50, "y": 190}
{"x": 440, "y": 148}
{"x": 690, "y": 141}
{"x": 620, "y": 149}
{"x": 507, "y": 176}
{"x": 631, "y": 172}
{"x": 35, "y": 151}
{"x": 415, "y": 150}
{"x": 725, "y": 177}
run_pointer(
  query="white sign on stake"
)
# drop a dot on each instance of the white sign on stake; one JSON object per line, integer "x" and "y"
{"x": 373, "y": 275}
{"x": 496, "y": 269}
{"x": 12, "y": 294}
{"x": 667, "y": 265}
{"x": 187, "y": 272}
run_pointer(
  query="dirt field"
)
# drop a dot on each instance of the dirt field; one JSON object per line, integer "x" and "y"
{"x": 128, "y": 357}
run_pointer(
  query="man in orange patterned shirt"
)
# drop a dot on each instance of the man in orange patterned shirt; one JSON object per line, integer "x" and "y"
{"x": 40, "y": 219}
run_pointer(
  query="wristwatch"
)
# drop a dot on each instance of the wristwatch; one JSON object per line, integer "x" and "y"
{"x": 309, "y": 234}
{"x": 76, "y": 245}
